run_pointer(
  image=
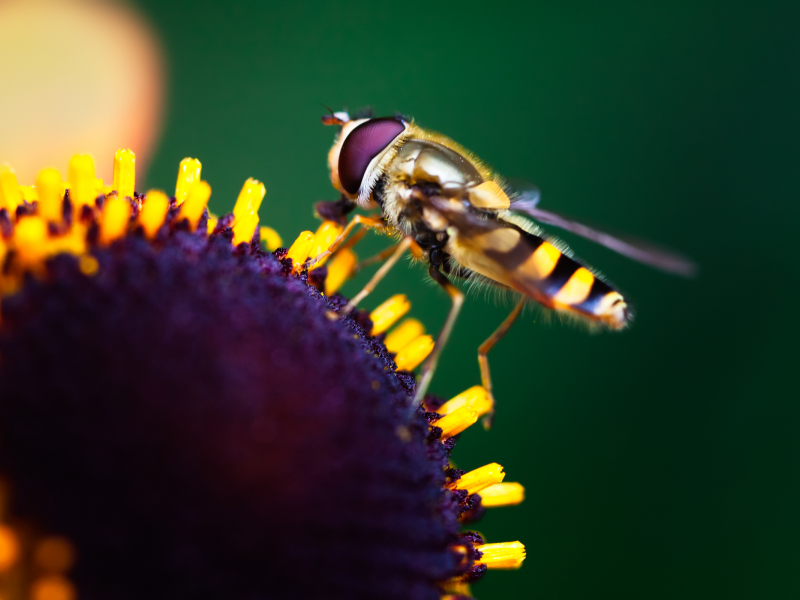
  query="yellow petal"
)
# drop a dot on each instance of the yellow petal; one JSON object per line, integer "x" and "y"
{"x": 154, "y": 210}
{"x": 188, "y": 175}
{"x": 325, "y": 236}
{"x": 403, "y": 334}
{"x": 411, "y": 355}
{"x": 388, "y": 313}
{"x": 456, "y": 422}
{"x": 82, "y": 181}
{"x": 505, "y": 555}
{"x": 502, "y": 494}
{"x": 114, "y": 220}
{"x": 249, "y": 199}
{"x": 10, "y": 194}
{"x": 478, "y": 479}
{"x": 475, "y": 397}
{"x": 195, "y": 203}
{"x": 124, "y": 173}
{"x": 271, "y": 238}
{"x": 300, "y": 249}
{"x": 49, "y": 188}
{"x": 339, "y": 270}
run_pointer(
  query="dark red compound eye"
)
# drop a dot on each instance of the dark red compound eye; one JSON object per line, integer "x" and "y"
{"x": 363, "y": 144}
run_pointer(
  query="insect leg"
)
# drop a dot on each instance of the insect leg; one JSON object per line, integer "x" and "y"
{"x": 457, "y": 298}
{"x": 416, "y": 251}
{"x": 404, "y": 245}
{"x": 372, "y": 222}
{"x": 483, "y": 351}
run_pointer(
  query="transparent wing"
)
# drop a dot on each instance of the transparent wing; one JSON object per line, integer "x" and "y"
{"x": 526, "y": 202}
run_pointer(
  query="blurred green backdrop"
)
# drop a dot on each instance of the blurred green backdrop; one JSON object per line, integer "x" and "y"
{"x": 661, "y": 462}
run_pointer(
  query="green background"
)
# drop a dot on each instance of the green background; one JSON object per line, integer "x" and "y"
{"x": 661, "y": 462}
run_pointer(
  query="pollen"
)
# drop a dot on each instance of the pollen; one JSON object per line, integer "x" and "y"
{"x": 340, "y": 269}
{"x": 195, "y": 203}
{"x": 10, "y": 194}
{"x": 49, "y": 189}
{"x": 300, "y": 250}
{"x": 124, "y": 173}
{"x": 404, "y": 333}
{"x": 413, "y": 353}
{"x": 249, "y": 200}
{"x": 504, "y": 555}
{"x": 479, "y": 479}
{"x": 271, "y": 238}
{"x": 502, "y": 494}
{"x": 188, "y": 175}
{"x": 476, "y": 397}
{"x": 114, "y": 221}
{"x": 388, "y": 313}
{"x": 325, "y": 236}
{"x": 82, "y": 181}
{"x": 153, "y": 213}
{"x": 456, "y": 422}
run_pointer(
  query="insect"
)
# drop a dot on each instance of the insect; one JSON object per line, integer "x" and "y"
{"x": 464, "y": 221}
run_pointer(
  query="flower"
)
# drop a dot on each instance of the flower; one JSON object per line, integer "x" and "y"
{"x": 179, "y": 411}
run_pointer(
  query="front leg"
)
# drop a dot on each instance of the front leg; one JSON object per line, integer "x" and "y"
{"x": 369, "y": 222}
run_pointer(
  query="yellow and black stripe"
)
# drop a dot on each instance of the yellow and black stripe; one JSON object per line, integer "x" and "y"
{"x": 543, "y": 272}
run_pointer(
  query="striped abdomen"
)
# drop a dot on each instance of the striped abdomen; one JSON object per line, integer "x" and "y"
{"x": 536, "y": 268}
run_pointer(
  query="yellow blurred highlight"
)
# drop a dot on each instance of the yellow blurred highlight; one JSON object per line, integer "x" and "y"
{"x": 154, "y": 210}
{"x": 54, "y": 555}
{"x": 271, "y": 238}
{"x": 412, "y": 354}
{"x": 114, "y": 220}
{"x": 505, "y": 555}
{"x": 49, "y": 188}
{"x": 244, "y": 229}
{"x": 10, "y": 194}
{"x": 479, "y": 479}
{"x": 325, "y": 236}
{"x": 188, "y": 175}
{"x": 30, "y": 239}
{"x": 52, "y": 588}
{"x": 475, "y": 397}
{"x": 249, "y": 200}
{"x": 195, "y": 203}
{"x": 88, "y": 265}
{"x": 388, "y": 313}
{"x": 300, "y": 250}
{"x": 502, "y": 494}
{"x": 456, "y": 422}
{"x": 403, "y": 334}
{"x": 9, "y": 548}
{"x": 29, "y": 193}
{"x": 124, "y": 173}
{"x": 82, "y": 180}
{"x": 339, "y": 270}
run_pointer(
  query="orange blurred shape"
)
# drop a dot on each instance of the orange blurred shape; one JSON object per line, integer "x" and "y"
{"x": 76, "y": 76}
{"x": 52, "y": 588}
{"x": 9, "y": 548}
{"x": 54, "y": 555}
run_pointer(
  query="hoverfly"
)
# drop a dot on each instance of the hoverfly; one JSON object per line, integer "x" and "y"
{"x": 464, "y": 220}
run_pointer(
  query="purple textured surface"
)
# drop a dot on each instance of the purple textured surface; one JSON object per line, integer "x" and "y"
{"x": 196, "y": 425}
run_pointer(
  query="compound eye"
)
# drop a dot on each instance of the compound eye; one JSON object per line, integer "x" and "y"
{"x": 363, "y": 144}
